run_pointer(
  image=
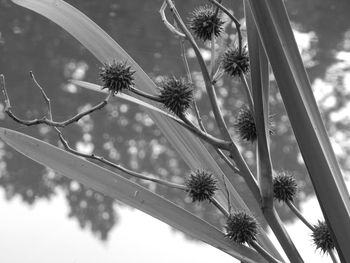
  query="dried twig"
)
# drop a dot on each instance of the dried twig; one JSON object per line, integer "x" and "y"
{"x": 166, "y": 22}
{"x": 119, "y": 167}
{"x": 48, "y": 120}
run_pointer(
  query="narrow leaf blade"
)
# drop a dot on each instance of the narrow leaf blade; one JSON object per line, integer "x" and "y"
{"x": 259, "y": 67}
{"x": 279, "y": 43}
{"x": 116, "y": 186}
{"x": 97, "y": 88}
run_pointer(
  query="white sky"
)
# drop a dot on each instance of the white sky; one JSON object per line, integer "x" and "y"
{"x": 43, "y": 233}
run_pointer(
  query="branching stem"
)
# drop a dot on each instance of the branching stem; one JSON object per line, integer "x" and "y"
{"x": 248, "y": 92}
{"x": 119, "y": 167}
{"x": 299, "y": 215}
{"x": 207, "y": 80}
{"x": 235, "y": 20}
{"x": 166, "y": 22}
{"x": 219, "y": 206}
{"x": 189, "y": 77}
{"x": 145, "y": 94}
{"x": 46, "y": 98}
{"x": 44, "y": 120}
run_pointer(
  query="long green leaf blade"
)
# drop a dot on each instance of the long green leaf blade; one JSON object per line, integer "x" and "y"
{"x": 277, "y": 36}
{"x": 116, "y": 186}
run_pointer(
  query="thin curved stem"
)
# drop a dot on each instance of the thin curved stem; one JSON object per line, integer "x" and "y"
{"x": 245, "y": 172}
{"x": 46, "y": 98}
{"x": 204, "y": 135}
{"x": 119, "y": 167}
{"x": 212, "y": 55}
{"x": 145, "y": 94}
{"x": 219, "y": 206}
{"x": 218, "y": 74}
{"x": 333, "y": 256}
{"x": 227, "y": 161}
{"x": 45, "y": 120}
{"x": 235, "y": 20}
{"x": 189, "y": 77}
{"x": 166, "y": 22}
{"x": 248, "y": 93}
{"x": 299, "y": 215}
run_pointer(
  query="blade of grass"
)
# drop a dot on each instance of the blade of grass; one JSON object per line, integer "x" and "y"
{"x": 98, "y": 88}
{"x": 260, "y": 92}
{"x": 104, "y": 48}
{"x": 279, "y": 43}
{"x": 259, "y": 67}
{"x": 116, "y": 186}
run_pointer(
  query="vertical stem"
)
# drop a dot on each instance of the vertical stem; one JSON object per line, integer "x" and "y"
{"x": 207, "y": 80}
{"x": 220, "y": 207}
{"x": 299, "y": 215}
{"x": 212, "y": 58}
{"x": 248, "y": 93}
{"x": 282, "y": 235}
{"x": 189, "y": 77}
{"x": 333, "y": 256}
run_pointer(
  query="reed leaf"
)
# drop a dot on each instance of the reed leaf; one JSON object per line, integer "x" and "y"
{"x": 116, "y": 186}
{"x": 98, "y": 88}
{"x": 105, "y": 49}
{"x": 274, "y": 28}
{"x": 259, "y": 68}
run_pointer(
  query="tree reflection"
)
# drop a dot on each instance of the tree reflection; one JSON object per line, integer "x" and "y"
{"x": 92, "y": 210}
{"x": 122, "y": 132}
{"x": 29, "y": 181}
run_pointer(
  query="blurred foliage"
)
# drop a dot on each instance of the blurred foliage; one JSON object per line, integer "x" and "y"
{"x": 126, "y": 135}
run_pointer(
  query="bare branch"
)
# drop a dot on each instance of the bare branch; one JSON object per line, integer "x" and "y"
{"x": 119, "y": 167}
{"x": 166, "y": 22}
{"x": 48, "y": 120}
{"x": 206, "y": 76}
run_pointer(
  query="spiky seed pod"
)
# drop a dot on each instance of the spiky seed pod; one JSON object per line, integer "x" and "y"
{"x": 235, "y": 63}
{"x": 284, "y": 187}
{"x": 322, "y": 237}
{"x": 116, "y": 76}
{"x": 204, "y": 22}
{"x": 176, "y": 95}
{"x": 245, "y": 125}
{"x": 241, "y": 227}
{"x": 201, "y": 185}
